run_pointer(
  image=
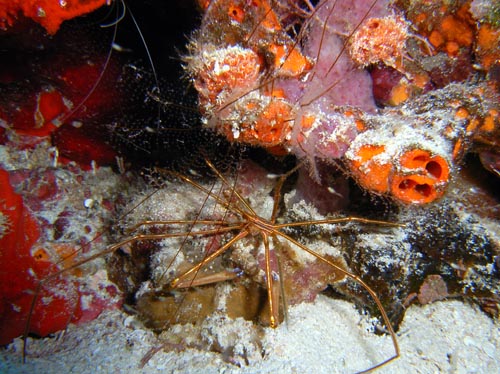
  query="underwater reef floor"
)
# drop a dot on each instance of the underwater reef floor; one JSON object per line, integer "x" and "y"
{"x": 446, "y": 336}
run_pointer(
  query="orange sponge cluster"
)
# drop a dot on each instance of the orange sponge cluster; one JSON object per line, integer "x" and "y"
{"x": 409, "y": 153}
{"x": 258, "y": 85}
{"x": 234, "y": 65}
{"x": 414, "y": 176}
{"x": 380, "y": 40}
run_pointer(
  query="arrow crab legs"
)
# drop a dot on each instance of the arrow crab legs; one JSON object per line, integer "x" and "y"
{"x": 240, "y": 223}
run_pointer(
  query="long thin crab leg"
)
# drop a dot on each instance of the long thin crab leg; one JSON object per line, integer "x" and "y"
{"x": 273, "y": 304}
{"x": 195, "y": 281}
{"x": 234, "y": 190}
{"x": 349, "y": 37}
{"x": 243, "y": 233}
{"x": 282, "y": 294}
{"x": 186, "y": 234}
{"x": 224, "y": 203}
{"x": 224, "y": 224}
{"x": 338, "y": 220}
{"x": 83, "y": 262}
{"x": 277, "y": 191}
{"x": 108, "y": 250}
{"x": 364, "y": 285}
{"x": 190, "y": 277}
{"x": 209, "y": 193}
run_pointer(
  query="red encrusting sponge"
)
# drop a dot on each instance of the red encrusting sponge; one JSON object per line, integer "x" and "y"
{"x": 25, "y": 259}
{"x": 48, "y": 13}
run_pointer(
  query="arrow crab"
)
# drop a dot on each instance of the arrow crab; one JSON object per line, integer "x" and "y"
{"x": 232, "y": 253}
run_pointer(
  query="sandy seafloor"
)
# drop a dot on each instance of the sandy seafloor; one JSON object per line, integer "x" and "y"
{"x": 328, "y": 336}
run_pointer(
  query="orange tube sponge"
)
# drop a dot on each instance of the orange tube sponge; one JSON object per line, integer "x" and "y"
{"x": 414, "y": 177}
{"x": 409, "y": 152}
{"x": 372, "y": 174}
{"x": 421, "y": 178}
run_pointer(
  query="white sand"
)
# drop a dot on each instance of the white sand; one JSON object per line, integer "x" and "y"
{"x": 328, "y": 336}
